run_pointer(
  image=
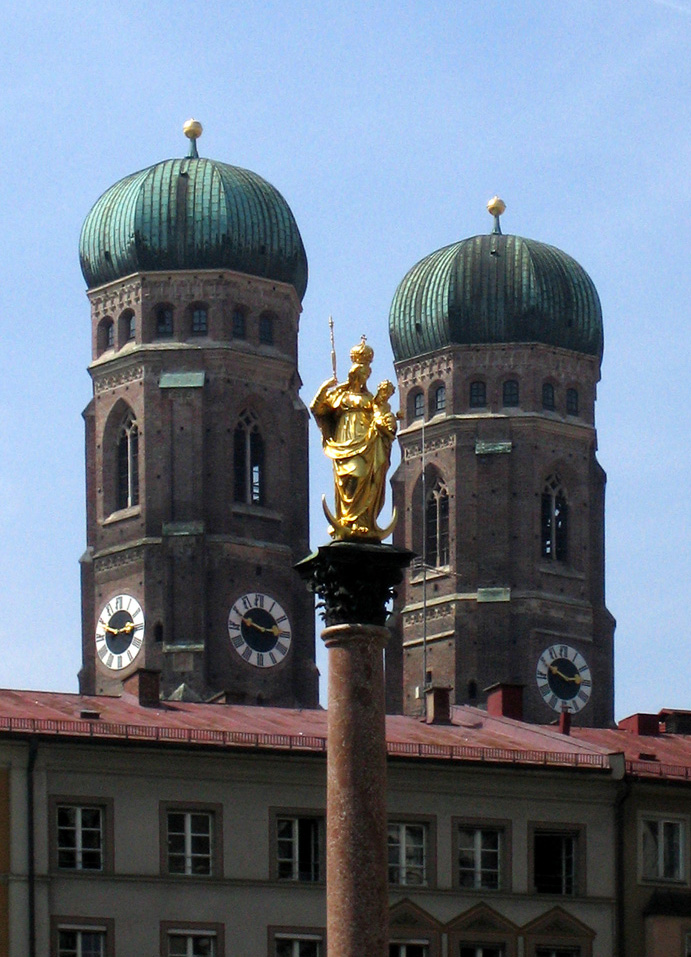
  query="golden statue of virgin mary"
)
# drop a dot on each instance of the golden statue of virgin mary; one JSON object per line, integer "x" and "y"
{"x": 357, "y": 430}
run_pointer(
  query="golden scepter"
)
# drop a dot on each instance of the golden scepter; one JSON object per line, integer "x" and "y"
{"x": 333, "y": 346}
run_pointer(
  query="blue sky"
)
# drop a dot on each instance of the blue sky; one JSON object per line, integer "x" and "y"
{"x": 387, "y": 127}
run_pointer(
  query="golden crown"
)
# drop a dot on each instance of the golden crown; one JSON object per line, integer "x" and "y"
{"x": 362, "y": 353}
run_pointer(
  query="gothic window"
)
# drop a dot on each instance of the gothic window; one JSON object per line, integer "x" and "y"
{"x": 266, "y": 330}
{"x": 105, "y": 335}
{"x": 418, "y": 406}
{"x": 548, "y": 396}
{"x": 126, "y": 327}
{"x": 239, "y": 325}
{"x": 164, "y": 322}
{"x": 555, "y": 512}
{"x": 510, "y": 392}
{"x": 440, "y": 399}
{"x": 478, "y": 395}
{"x": 127, "y": 492}
{"x": 248, "y": 448}
{"x": 200, "y": 323}
{"x": 572, "y": 401}
{"x": 437, "y": 526}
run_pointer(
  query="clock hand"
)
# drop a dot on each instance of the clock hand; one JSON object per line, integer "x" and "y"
{"x": 113, "y": 631}
{"x": 272, "y": 630}
{"x": 576, "y": 679}
{"x": 129, "y": 627}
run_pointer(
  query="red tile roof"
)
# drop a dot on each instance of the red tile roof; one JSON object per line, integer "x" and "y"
{"x": 473, "y": 735}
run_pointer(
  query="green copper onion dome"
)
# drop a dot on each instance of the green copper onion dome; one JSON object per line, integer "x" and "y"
{"x": 495, "y": 289}
{"x": 192, "y": 213}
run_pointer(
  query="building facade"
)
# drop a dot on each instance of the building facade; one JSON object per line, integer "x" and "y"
{"x": 179, "y": 828}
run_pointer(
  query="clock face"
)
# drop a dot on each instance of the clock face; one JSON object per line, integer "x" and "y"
{"x": 120, "y": 632}
{"x": 563, "y": 678}
{"x": 259, "y": 630}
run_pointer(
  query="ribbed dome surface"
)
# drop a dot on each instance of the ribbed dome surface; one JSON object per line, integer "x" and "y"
{"x": 493, "y": 289}
{"x": 192, "y": 213}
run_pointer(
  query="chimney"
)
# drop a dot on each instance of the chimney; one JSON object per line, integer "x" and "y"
{"x": 565, "y": 722}
{"x": 144, "y": 684}
{"x": 646, "y": 724}
{"x": 438, "y": 704}
{"x": 505, "y": 700}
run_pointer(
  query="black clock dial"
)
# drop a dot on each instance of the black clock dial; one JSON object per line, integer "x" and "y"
{"x": 120, "y": 632}
{"x": 259, "y": 630}
{"x": 563, "y": 678}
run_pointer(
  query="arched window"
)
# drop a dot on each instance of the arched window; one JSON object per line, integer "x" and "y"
{"x": 164, "y": 322}
{"x": 437, "y": 526}
{"x": 105, "y": 335}
{"x": 239, "y": 325}
{"x": 555, "y": 513}
{"x": 200, "y": 322}
{"x": 572, "y": 401}
{"x": 548, "y": 396}
{"x": 248, "y": 448}
{"x": 126, "y": 327}
{"x": 127, "y": 491}
{"x": 266, "y": 330}
{"x": 418, "y": 405}
{"x": 510, "y": 392}
{"x": 440, "y": 399}
{"x": 478, "y": 395}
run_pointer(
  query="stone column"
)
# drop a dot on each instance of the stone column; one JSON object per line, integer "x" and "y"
{"x": 355, "y": 581}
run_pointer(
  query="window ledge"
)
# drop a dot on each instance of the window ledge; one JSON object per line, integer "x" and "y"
{"x": 257, "y": 511}
{"x": 562, "y": 570}
{"x": 418, "y": 576}
{"x": 122, "y": 514}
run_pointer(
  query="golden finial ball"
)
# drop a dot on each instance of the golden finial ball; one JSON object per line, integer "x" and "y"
{"x": 193, "y": 129}
{"x": 496, "y": 206}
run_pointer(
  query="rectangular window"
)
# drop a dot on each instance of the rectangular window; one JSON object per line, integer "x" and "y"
{"x": 80, "y": 837}
{"x": 298, "y": 848}
{"x": 478, "y": 395}
{"x": 482, "y": 950}
{"x": 557, "y": 952}
{"x": 182, "y": 943}
{"x": 239, "y": 331}
{"x": 78, "y": 942}
{"x": 413, "y": 948}
{"x": 479, "y": 857}
{"x": 199, "y": 321}
{"x": 303, "y": 946}
{"x": 555, "y": 861}
{"x": 190, "y": 843}
{"x": 266, "y": 330}
{"x": 663, "y": 845}
{"x": 164, "y": 322}
{"x": 407, "y": 845}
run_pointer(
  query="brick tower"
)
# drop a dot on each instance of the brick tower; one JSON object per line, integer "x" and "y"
{"x": 196, "y": 438}
{"x": 498, "y": 344}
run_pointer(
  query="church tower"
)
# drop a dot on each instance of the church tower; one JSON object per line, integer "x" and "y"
{"x": 196, "y": 438}
{"x": 498, "y": 343}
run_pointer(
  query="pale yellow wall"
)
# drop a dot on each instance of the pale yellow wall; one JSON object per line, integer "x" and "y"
{"x": 248, "y": 785}
{"x": 4, "y": 859}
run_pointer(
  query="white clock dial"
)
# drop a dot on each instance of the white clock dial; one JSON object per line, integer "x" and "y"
{"x": 259, "y": 630}
{"x": 119, "y": 632}
{"x": 563, "y": 678}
